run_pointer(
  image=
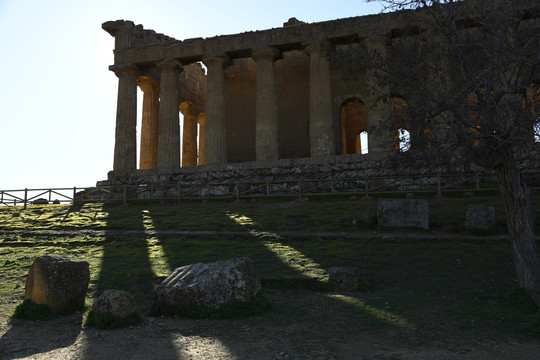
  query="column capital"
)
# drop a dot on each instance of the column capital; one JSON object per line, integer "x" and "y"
{"x": 148, "y": 83}
{"x": 201, "y": 118}
{"x": 319, "y": 47}
{"x": 269, "y": 52}
{"x": 125, "y": 70}
{"x": 216, "y": 60}
{"x": 169, "y": 65}
{"x": 187, "y": 108}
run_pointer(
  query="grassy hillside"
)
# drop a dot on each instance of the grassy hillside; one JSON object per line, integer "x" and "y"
{"x": 442, "y": 280}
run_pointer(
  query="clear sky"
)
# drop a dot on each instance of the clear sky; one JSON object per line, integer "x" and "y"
{"x": 58, "y": 98}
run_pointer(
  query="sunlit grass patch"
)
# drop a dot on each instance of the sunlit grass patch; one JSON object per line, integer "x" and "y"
{"x": 242, "y": 220}
{"x": 158, "y": 259}
{"x": 382, "y": 315}
{"x": 295, "y": 260}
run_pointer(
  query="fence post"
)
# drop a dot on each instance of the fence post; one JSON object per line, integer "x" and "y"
{"x": 366, "y": 191}
{"x": 237, "y": 191}
{"x": 74, "y": 193}
{"x": 477, "y": 181}
{"x": 25, "y": 197}
{"x": 439, "y": 190}
{"x": 179, "y": 193}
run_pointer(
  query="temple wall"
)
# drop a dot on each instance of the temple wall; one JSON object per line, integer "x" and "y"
{"x": 267, "y": 97}
{"x": 292, "y": 83}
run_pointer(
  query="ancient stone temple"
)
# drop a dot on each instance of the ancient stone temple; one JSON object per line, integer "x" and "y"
{"x": 289, "y": 96}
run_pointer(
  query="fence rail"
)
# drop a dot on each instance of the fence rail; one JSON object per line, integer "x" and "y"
{"x": 366, "y": 186}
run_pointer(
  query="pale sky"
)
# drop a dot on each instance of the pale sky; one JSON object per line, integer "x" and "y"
{"x": 58, "y": 98}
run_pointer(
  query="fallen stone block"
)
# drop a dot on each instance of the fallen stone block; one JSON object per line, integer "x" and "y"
{"x": 480, "y": 217}
{"x": 209, "y": 285}
{"x": 58, "y": 282}
{"x": 403, "y": 213}
{"x": 40, "y": 201}
{"x": 343, "y": 278}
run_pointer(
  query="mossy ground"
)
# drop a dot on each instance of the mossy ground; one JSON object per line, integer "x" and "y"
{"x": 457, "y": 280}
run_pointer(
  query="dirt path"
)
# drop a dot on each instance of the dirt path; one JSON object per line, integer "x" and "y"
{"x": 302, "y": 325}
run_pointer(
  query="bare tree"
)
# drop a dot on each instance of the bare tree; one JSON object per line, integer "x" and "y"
{"x": 466, "y": 85}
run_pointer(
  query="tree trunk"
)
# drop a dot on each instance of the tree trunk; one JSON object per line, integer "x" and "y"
{"x": 517, "y": 202}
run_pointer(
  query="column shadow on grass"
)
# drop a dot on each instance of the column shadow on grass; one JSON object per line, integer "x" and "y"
{"x": 125, "y": 263}
{"x": 273, "y": 257}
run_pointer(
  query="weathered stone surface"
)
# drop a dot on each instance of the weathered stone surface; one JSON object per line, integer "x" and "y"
{"x": 57, "y": 282}
{"x": 117, "y": 303}
{"x": 209, "y": 285}
{"x": 343, "y": 278}
{"x": 40, "y": 201}
{"x": 403, "y": 213}
{"x": 480, "y": 217}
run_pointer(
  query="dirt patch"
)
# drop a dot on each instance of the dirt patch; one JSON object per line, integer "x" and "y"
{"x": 302, "y": 325}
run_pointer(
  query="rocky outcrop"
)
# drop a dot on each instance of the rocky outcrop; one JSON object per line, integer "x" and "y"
{"x": 209, "y": 285}
{"x": 58, "y": 282}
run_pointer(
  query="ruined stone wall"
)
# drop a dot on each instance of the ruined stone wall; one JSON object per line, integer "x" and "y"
{"x": 292, "y": 83}
{"x": 192, "y": 85}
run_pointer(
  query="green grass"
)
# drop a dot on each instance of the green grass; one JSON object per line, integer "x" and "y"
{"x": 317, "y": 214}
{"x": 107, "y": 321}
{"x": 236, "y": 309}
{"x": 428, "y": 282}
{"x": 31, "y": 311}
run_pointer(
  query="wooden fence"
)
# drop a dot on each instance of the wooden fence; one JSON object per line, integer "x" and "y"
{"x": 366, "y": 186}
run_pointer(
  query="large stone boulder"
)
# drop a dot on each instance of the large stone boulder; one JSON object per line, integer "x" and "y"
{"x": 480, "y": 217}
{"x": 343, "y": 278}
{"x": 403, "y": 213}
{"x": 58, "y": 282}
{"x": 117, "y": 303}
{"x": 209, "y": 285}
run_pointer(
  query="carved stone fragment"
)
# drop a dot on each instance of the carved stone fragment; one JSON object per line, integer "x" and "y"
{"x": 209, "y": 285}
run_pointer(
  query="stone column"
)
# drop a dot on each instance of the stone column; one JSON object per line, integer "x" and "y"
{"x": 149, "y": 126}
{"x": 379, "y": 115}
{"x": 201, "y": 119}
{"x": 216, "y": 132}
{"x": 189, "y": 143}
{"x": 125, "y": 146}
{"x": 321, "y": 131}
{"x": 168, "y": 154}
{"x": 266, "y": 120}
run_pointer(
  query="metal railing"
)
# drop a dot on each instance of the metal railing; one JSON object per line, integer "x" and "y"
{"x": 365, "y": 186}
